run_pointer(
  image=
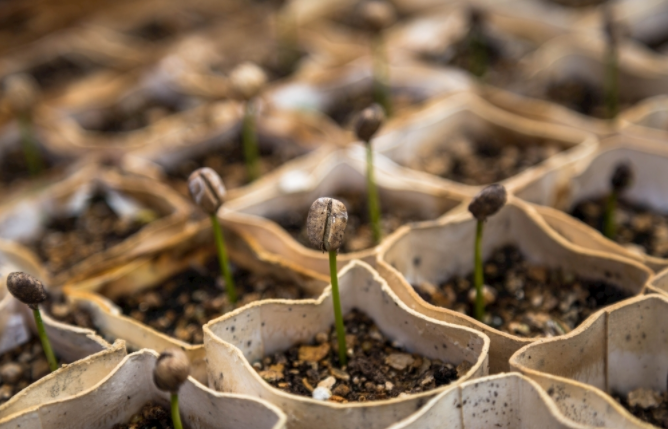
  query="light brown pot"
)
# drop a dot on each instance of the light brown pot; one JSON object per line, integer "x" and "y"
{"x": 22, "y": 219}
{"x": 259, "y": 329}
{"x": 648, "y": 119}
{"x": 504, "y": 400}
{"x": 122, "y": 393}
{"x": 435, "y": 251}
{"x": 468, "y": 115}
{"x": 342, "y": 170}
{"x": 619, "y": 349}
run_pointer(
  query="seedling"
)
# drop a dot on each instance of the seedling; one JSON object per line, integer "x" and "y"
{"x": 612, "y": 36}
{"x": 379, "y": 15}
{"x": 171, "y": 371}
{"x": 477, "y": 48}
{"x": 208, "y": 192}
{"x": 30, "y": 291}
{"x": 248, "y": 80}
{"x": 366, "y": 125}
{"x": 22, "y": 96}
{"x": 325, "y": 227}
{"x": 621, "y": 179}
{"x": 488, "y": 201}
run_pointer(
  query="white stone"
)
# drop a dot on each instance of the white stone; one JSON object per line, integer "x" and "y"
{"x": 321, "y": 393}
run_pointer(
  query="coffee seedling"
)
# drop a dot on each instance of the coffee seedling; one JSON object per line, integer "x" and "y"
{"x": 208, "y": 192}
{"x": 476, "y": 43}
{"x": 247, "y": 81}
{"x": 612, "y": 36}
{"x": 325, "y": 227}
{"x": 379, "y": 15}
{"x": 30, "y": 291}
{"x": 366, "y": 125}
{"x": 488, "y": 201}
{"x": 21, "y": 92}
{"x": 171, "y": 370}
{"x": 621, "y": 179}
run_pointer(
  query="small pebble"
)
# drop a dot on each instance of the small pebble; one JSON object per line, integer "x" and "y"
{"x": 321, "y": 393}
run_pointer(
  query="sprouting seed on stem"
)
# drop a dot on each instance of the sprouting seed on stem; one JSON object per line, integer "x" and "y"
{"x": 171, "y": 370}
{"x": 248, "y": 80}
{"x": 31, "y": 292}
{"x": 366, "y": 125}
{"x": 378, "y": 15}
{"x": 621, "y": 179}
{"x": 208, "y": 192}
{"x": 21, "y": 92}
{"x": 487, "y": 203}
{"x": 325, "y": 227}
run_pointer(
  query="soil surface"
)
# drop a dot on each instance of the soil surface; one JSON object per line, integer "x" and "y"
{"x": 180, "y": 306}
{"x": 638, "y": 227}
{"x": 61, "y": 70}
{"x": 481, "y": 161}
{"x": 14, "y": 168}
{"x": 151, "y": 416}
{"x": 68, "y": 240}
{"x": 648, "y": 405}
{"x": 229, "y": 162}
{"x": 20, "y": 367}
{"x": 528, "y": 300}
{"x": 376, "y": 369}
{"x": 582, "y": 97}
{"x": 358, "y": 235}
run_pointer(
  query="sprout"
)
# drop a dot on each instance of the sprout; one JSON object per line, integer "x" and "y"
{"x": 31, "y": 292}
{"x": 612, "y": 36}
{"x": 488, "y": 201}
{"x": 248, "y": 80}
{"x": 325, "y": 227}
{"x": 377, "y": 16}
{"x": 208, "y": 192}
{"x": 21, "y": 92}
{"x": 477, "y": 48}
{"x": 366, "y": 125}
{"x": 171, "y": 370}
{"x": 621, "y": 179}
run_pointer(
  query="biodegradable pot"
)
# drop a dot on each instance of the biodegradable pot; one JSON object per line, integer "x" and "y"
{"x": 505, "y": 400}
{"x": 123, "y": 392}
{"x": 22, "y": 219}
{"x": 618, "y": 350}
{"x": 260, "y": 329}
{"x": 342, "y": 170}
{"x": 648, "y": 160}
{"x": 648, "y": 119}
{"x": 436, "y": 251}
{"x": 469, "y": 116}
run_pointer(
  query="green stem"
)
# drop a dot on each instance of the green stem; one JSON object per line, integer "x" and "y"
{"x": 611, "y": 83}
{"x": 222, "y": 259}
{"x": 46, "y": 345}
{"x": 478, "y": 278}
{"x": 381, "y": 88}
{"x": 338, "y": 317}
{"x": 249, "y": 137}
{"x": 478, "y": 53}
{"x": 374, "y": 203}
{"x": 176, "y": 416}
{"x": 288, "y": 51}
{"x": 30, "y": 151}
{"x": 609, "y": 227}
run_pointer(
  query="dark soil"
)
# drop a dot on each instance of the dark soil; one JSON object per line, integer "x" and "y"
{"x": 14, "y": 168}
{"x": 20, "y": 367}
{"x": 636, "y": 225}
{"x": 656, "y": 414}
{"x": 376, "y": 369}
{"x": 582, "y": 97}
{"x": 577, "y": 3}
{"x": 348, "y": 105}
{"x": 180, "y": 306}
{"x": 358, "y": 235}
{"x": 61, "y": 70}
{"x": 229, "y": 162}
{"x": 151, "y": 416}
{"x": 166, "y": 28}
{"x": 68, "y": 240}
{"x": 481, "y": 161}
{"x": 531, "y": 301}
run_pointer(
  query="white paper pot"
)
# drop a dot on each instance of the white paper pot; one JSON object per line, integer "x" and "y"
{"x": 129, "y": 386}
{"x": 648, "y": 119}
{"x": 505, "y": 400}
{"x": 342, "y": 170}
{"x": 469, "y": 115}
{"x": 618, "y": 350}
{"x": 248, "y": 334}
{"x": 436, "y": 251}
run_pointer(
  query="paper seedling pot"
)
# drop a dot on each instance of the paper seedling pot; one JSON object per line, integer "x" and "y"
{"x": 469, "y": 116}
{"x": 342, "y": 170}
{"x": 122, "y": 393}
{"x": 438, "y": 250}
{"x": 648, "y": 119}
{"x": 22, "y": 219}
{"x": 607, "y": 353}
{"x": 259, "y": 329}
{"x": 649, "y": 161}
{"x": 505, "y": 400}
